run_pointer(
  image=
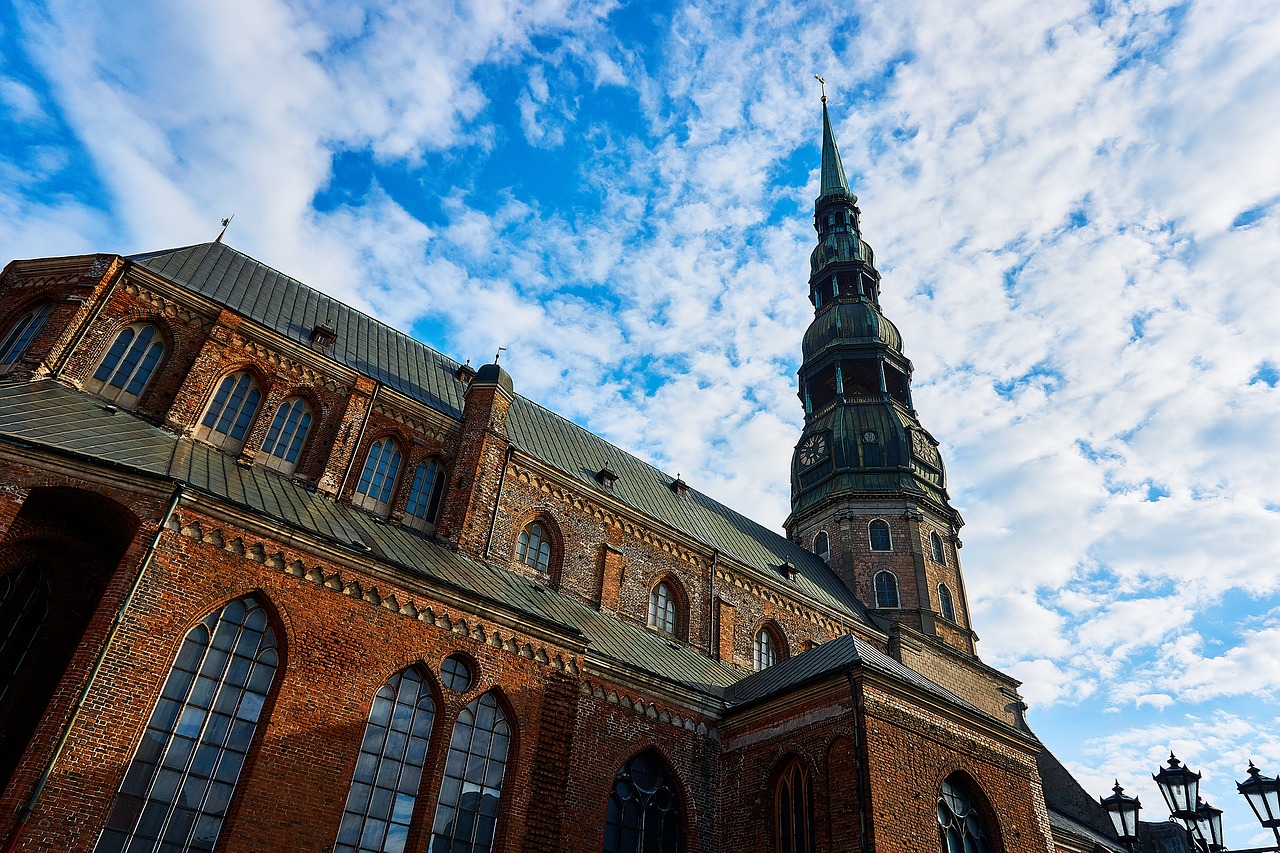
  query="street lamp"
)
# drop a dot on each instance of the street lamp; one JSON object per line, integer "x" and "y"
{"x": 1263, "y": 794}
{"x": 1180, "y": 788}
{"x": 1208, "y": 821}
{"x": 1123, "y": 810}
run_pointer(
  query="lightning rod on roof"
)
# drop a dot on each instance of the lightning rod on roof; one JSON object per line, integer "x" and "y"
{"x": 225, "y": 222}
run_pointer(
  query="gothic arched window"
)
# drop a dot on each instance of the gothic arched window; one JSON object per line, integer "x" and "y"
{"x": 822, "y": 545}
{"x": 287, "y": 434}
{"x": 961, "y": 826}
{"x": 378, "y": 478}
{"x": 946, "y": 606}
{"x": 128, "y": 365}
{"x": 644, "y": 809}
{"x": 533, "y": 547}
{"x": 424, "y": 495}
{"x": 21, "y": 334}
{"x": 24, "y": 604}
{"x": 176, "y": 790}
{"x": 880, "y": 540}
{"x": 385, "y": 787}
{"x": 226, "y": 422}
{"x": 935, "y": 545}
{"x": 467, "y": 813}
{"x": 887, "y": 590}
{"x": 793, "y": 810}
{"x": 662, "y": 608}
{"x": 766, "y": 648}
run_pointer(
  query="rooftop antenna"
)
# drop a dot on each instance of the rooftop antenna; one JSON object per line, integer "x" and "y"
{"x": 824, "y": 87}
{"x": 225, "y": 222}
{"x": 499, "y": 353}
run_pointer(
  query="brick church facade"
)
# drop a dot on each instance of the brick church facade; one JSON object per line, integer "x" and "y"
{"x": 277, "y": 577}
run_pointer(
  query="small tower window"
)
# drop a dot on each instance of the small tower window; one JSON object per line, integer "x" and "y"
{"x": 887, "y": 590}
{"x": 226, "y": 421}
{"x": 945, "y": 605}
{"x": 378, "y": 479}
{"x": 424, "y": 495}
{"x": 939, "y": 553}
{"x": 128, "y": 365}
{"x": 21, "y": 334}
{"x": 822, "y": 545}
{"x": 662, "y": 609}
{"x": 880, "y": 539}
{"x": 533, "y": 547}
{"x": 287, "y": 434}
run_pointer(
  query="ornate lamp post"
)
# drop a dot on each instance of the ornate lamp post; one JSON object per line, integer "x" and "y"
{"x": 1123, "y": 811}
{"x": 1180, "y": 788}
{"x": 1208, "y": 826}
{"x": 1263, "y": 794}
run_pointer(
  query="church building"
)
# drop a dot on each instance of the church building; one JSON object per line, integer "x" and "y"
{"x": 277, "y": 577}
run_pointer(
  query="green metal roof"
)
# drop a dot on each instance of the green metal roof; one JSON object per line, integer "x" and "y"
{"x": 847, "y": 323}
{"x": 833, "y": 179}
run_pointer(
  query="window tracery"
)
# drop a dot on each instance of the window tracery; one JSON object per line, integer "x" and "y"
{"x": 287, "y": 435}
{"x": 644, "y": 809}
{"x": 21, "y": 334}
{"x": 128, "y": 364}
{"x": 793, "y": 810}
{"x": 378, "y": 477}
{"x": 226, "y": 422}
{"x": 533, "y": 547}
{"x": 467, "y": 811}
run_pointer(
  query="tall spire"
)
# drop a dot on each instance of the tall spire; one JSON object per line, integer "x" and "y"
{"x": 833, "y": 180}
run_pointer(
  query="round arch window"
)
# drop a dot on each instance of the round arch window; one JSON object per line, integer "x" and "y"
{"x": 455, "y": 673}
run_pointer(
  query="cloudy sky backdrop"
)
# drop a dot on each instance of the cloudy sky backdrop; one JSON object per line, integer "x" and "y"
{"x": 1075, "y": 205}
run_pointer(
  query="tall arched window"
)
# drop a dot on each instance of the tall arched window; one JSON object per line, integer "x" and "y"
{"x": 378, "y": 479}
{"x": 644, "y": 809}
{"x": 822, "y": 545}
{"x": 380, "y": 803}
{"x": 886, "y": 590}
{"x": 128, "y": 365}
{"x": 226, "y": 422}
{"x": 21, "y": 334}
{"x": 287, "y": 434}
{"x": 176, "y": 790}
{"x": 793, "y": 810}
{"x": 961, "y": 826}
{"x": 424, "y": 495}
{"x": 880, "y": 540}
{"x": 533, "y": 547}
{"x": 946, "y": 606}
{"x": 24, "y": 604}
{"x": 935, "y": 545}
{"x": 662, "y": 609}
{"x": 467, "y": 812}
{"x": 766, "y": 649}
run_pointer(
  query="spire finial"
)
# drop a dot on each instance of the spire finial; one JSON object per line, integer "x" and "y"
{"x": 225, "y": 222}
{"x": 498, "y": 354}
{"x": 824, "y": 87}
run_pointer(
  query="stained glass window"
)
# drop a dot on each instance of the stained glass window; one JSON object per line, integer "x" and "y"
{"x": 662, "y": 609}
{"x": 128, "y": 364}
{"x": 467, "y": 812}
{"x": 178, "y": 785}
{"x": 961, "y": 826}
{"x": 886, "y": 590}
{"x": 793, "y": 810}
{"x": 378, "y": 479}
{"x": 644, "y": 809}
{"x": 533, "y": 548}
{"x": 385, "y": 787}
{"x": 287, "y": 434}
{"x": 230, "y": 412}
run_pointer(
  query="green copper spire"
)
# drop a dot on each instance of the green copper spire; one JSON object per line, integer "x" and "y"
{"x": 833, "y": 180}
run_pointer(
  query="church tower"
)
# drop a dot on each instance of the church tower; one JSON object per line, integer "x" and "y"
{"x": 868, "y": 488}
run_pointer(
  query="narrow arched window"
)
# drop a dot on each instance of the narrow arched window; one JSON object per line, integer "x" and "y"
{"x": 946, "y": 606}
{"x": 424, "y": 495}
{"x": 793, "y": 810}
{"x": 226, "y": 422}
{"x": 880, "y": 540}
{"x": 21, "y": 334}
{"x": 128, "y": 365}
{"x": 644, "y": 809}
{"x": 766, "y": 649}
{"x": 886, "y": 589}
{"x": 533, "y": 548}
{"x": 467, "y": 812}
{"x": 935, "y": 545}
{"x": 176, "y": 790}
{"x": 287, "y": 434}
{"x": 961, "y": 826}
{"x": 385, "y": 787}
{"x": 822, "y": 545}
{"x": 662, "y": 609}
{"x": 378, "y": 478}
{"x": 24, "y": 604}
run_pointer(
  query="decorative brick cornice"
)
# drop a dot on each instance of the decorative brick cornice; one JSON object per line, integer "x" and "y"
{"x": 466, "y": 625}
{"x": 645, "y": 708}
{"x": 777, "y": 599}
{"x": 416, "y": 425}
{"x": 167, "y": 307}
{"x": 308, "y": 374}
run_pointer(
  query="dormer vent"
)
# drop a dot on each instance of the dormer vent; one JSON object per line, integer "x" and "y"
{"x": 465, "y": 372}
{"x": 606, "y": 478}
{"x": 679, "y": 486}
{"x": 788, "y": 570}
{"x": 323, "y": 337}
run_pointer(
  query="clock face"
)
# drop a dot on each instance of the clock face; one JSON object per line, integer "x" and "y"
{"x": 812, "y": 449}
{"x": 923, "y": 448}
{"x": 869, "y": 436}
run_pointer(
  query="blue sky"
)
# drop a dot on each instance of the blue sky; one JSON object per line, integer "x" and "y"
{"x": 1075, "y": 206}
